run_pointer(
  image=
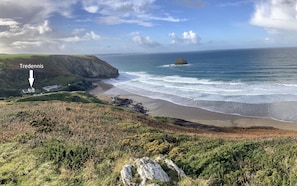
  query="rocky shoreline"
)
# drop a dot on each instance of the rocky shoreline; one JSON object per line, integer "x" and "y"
{"x": 191, "y": 115}
{"x": 129, "y": 104}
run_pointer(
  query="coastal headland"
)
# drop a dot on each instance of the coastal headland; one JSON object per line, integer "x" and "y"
{"x": 72, "y": 72}
{"x": 74, "y": 138}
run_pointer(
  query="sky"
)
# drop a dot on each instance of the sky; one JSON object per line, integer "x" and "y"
{"x": 150, "y": 26}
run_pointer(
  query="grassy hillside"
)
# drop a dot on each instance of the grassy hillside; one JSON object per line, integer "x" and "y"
{"x": 81, "y": 97}
{"x": 58, "y": 70}
{"x": 76, "y": 143}
{"x": 13, "y": 78}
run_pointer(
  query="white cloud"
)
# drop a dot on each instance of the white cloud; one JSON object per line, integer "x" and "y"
{"x": 139, "y": 40}
{"x": 35, "y": 11}
{"x": 44, "y": 27}
{"x": 141, "y": 12}
{"x": 28, "y": 25}
{"x": 92, "y": 36}
{"x": 85, "y": 37}
{"x": 28, "y": 31}
{"x": 22, "y": 37}
{"x": 91, "y": 9}
{"x": 268, "y": 40}
{"x": 8, "y": 22}
{"x": 25, "y": 25}
{"x": 275, "y": 16}
{"x": 71, "y": 39}
{"x": 25, "y": 44}
{"x": 174, "y": 38}
{"x": 189, "y": 37}
{"x": 16, "y": 29}
{"x": 113, "y": 20}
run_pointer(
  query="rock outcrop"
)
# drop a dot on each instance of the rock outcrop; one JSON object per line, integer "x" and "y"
{"x": 126, "y": 175}
{"x": 129, "y": 104}
{"x": 180, "y": 61}
{"x": 149, "y": 170}
{"x": 171, "y": 165}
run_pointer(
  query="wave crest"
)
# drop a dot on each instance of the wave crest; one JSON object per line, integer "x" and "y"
{"x": 234, "y": 97}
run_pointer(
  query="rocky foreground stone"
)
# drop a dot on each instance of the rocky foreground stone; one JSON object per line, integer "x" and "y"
{"x": 148, "y": 170}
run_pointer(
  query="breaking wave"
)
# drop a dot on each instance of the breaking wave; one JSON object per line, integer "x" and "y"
{"x": 273, "y": 100}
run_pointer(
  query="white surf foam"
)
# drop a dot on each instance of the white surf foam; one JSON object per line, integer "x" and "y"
{"x": 242, "y": 98}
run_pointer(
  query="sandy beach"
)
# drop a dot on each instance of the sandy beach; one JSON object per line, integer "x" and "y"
{"x": 158, "y": 107}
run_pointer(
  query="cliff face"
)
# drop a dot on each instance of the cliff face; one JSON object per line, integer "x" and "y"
{"x": 49, "y": 70}
{"x": 86, "y": 66}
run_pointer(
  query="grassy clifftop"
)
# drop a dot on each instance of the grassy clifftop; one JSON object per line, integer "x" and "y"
{"x": 75, "y": 143}
{"x": 56, "y": 69}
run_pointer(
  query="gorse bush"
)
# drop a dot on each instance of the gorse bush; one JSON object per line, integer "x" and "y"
{"x": 43, "y": 124}
{"x": 70, "y": 143}
{"x": 69, "y": 156}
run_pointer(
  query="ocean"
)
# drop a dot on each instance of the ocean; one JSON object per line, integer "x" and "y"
{"x": 249, "y": 82}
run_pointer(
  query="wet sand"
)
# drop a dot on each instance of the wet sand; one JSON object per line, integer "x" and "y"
{"x": 157, "y": 107}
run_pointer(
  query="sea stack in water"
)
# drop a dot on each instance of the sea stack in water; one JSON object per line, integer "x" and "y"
{"x": 180, "y": 61}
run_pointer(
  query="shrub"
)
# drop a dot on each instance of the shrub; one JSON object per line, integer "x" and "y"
{"x": 70, "y": 156}
{"x": 43, "y": 124}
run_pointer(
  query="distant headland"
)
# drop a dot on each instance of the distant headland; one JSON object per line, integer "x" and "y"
{"x": 69, "y": 72}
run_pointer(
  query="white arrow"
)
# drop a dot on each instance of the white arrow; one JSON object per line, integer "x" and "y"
{"x": 31, "y": 79}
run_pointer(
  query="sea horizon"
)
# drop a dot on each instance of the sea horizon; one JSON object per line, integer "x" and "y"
{"x": 248, "y": 82}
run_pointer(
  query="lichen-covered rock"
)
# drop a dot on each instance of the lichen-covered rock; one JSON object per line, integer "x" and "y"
{"x": 171, "y": 165}
{"x": 150, "y": 170}
{"x": 126, "y": 175}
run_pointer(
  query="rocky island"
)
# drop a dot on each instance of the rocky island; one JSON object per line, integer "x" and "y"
{"x": 180, "y": 61}
{"x": 75, "y": 138}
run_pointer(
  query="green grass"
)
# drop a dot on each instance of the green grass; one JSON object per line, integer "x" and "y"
{"x": 11, "y": 92}
{"x": 74, "y": 143}
{"x": 14, "y": 79}
{"x": 24, "y": 56}
{"x": 82, "y": 97}
{"x": 20, "y": 166}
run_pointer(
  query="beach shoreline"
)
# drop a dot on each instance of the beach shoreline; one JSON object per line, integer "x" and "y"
{"x": 157, "y": 107}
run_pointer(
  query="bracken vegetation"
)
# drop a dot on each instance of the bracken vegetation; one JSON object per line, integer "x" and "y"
{"x": 76, "y": 143}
